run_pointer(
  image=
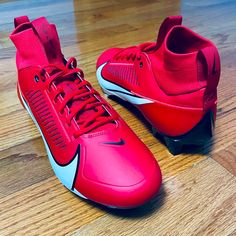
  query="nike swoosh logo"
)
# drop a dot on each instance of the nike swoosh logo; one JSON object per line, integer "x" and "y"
{"x": 65, "y": 173}
{"x": 114, "y": 89}
{"x": 121, "y": 142}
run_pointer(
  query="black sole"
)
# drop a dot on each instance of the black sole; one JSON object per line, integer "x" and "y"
{"x": 197, "y": 136}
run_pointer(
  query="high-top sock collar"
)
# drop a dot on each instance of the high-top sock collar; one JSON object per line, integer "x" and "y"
{"x": 37, "y": 42}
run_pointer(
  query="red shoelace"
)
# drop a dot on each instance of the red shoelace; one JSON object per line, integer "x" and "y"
{"x": 84, "y": 93}
{"x": 133, "y": 52}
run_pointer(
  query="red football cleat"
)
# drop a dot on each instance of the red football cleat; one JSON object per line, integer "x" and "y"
{"x": 172, "y": 82}
{"x": 91, "y": 149}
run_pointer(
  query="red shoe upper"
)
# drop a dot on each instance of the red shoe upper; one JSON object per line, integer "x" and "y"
{"x": 177, "y": 76}
{"x": 91, "y": 149}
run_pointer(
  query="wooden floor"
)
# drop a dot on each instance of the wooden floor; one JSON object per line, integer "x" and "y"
{"x": 198, "y": 196}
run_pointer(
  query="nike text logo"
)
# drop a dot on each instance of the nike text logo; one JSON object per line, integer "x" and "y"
{"x": 121, "y": 142}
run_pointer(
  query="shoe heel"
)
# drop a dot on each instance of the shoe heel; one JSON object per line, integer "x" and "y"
{"x": 201, "y": 133}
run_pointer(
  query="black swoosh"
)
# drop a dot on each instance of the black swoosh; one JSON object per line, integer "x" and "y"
{"x": 119, "y": 143}
{"x": 77, "y": 168}
{"x": 114, "y": 90}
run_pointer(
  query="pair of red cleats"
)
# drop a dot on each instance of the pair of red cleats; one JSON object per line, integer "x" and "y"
{"x": 91, "y": 149}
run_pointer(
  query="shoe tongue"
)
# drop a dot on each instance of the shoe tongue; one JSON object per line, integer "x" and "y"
{"x": 49, "y": 39}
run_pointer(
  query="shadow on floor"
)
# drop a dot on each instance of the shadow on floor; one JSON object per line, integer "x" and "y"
{"x": 140, "y": 212}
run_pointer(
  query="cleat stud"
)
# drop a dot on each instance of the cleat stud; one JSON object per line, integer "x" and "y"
{"x": 174, "y": 146}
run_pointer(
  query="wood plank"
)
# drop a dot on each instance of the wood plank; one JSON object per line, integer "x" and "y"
{"x": 23, "y": 166}
{"x": 45, "y": 208}
{"x": 226, "y": 157}
{"x": 194, "y": 202}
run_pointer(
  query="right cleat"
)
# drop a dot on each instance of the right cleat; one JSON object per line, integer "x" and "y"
{"x": 173, "y": 82}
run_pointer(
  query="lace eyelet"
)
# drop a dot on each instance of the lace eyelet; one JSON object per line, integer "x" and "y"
{"x": 141, "y": 64}
{"x": 36, "y": 78}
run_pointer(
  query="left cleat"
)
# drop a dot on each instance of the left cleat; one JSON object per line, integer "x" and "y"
{"x": 91, "y": 149}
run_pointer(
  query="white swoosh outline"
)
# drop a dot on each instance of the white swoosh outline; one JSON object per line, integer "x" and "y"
{"x": 120, "y": 92}
{"x": 66, "y": 174}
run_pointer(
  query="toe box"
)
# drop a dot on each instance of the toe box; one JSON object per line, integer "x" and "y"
{"x": 122, "y": 176}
